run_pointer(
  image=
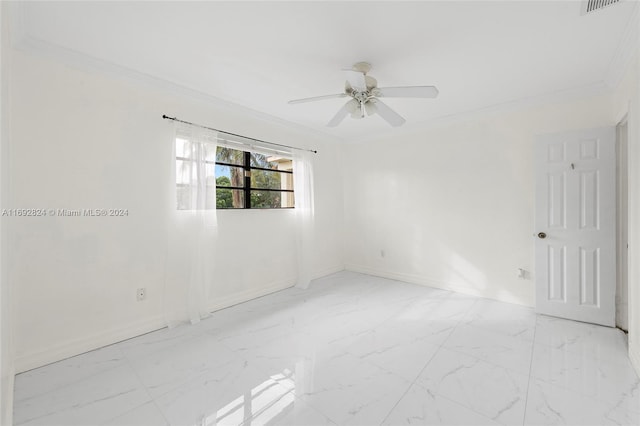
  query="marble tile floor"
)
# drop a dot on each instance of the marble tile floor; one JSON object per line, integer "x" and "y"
{"x": 351, "y": 350}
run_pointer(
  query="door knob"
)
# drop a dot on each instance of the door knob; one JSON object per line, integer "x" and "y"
{"x": 542, "y": 235}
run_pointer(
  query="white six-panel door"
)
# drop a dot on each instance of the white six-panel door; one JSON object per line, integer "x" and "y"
{"x": 575, "y": 225}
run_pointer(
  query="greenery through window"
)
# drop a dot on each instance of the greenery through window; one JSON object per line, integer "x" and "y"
{"x": 249, "y": 180}
{"x": 243, "y": 179}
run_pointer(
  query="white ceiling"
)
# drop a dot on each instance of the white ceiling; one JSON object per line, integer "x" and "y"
{"x": 262, "y": 54}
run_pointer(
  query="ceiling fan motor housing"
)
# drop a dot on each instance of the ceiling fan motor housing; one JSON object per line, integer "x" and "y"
{"x": 364, "y": 93}
{"x": 363, "y": 67}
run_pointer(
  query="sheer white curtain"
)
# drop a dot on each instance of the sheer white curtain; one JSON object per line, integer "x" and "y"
{"x": 192, "y": 225}
{"x": 304, "y": 199}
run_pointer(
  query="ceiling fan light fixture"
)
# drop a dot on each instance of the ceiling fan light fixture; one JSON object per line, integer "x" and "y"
{"x": 370, "y": 107}
{"x": 353, "y": 106}
{"x": 365, "y": 93}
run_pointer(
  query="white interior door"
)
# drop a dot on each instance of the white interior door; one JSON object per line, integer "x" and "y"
{"x": 575, "y": 250}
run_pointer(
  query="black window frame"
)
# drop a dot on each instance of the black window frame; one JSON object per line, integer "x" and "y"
{"x": 247, "y": 168}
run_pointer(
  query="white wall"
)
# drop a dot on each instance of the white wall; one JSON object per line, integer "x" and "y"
{"x": 84, "y": 139}
{"x": 6, "y": 348}
{"x": 452, "y": 205}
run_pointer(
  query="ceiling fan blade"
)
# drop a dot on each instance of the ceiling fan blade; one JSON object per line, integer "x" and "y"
{"x": 389, "y": 115}
{"x": 356, "y": 80}
{"x": 407, "y": 92}
{"x": 341, "y": 114}
{"x": 317, "y": 98}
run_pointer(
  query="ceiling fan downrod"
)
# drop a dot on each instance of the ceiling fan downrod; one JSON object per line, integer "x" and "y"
{"x": 365, "y": 94}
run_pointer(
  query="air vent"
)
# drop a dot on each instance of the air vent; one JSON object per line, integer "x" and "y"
{"x": 589, "y": 6}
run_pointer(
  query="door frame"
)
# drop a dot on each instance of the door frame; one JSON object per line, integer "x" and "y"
{"x": 622, "y": 224}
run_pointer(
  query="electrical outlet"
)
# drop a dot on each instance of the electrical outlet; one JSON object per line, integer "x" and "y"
{"x": 141, "y": 294}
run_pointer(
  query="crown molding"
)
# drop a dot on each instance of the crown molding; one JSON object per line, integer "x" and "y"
{"x": 621, "y": 60}
{"x": 22, "y": 41}
{"x": 625, "y": 50}
{"x": 577, "y": 93}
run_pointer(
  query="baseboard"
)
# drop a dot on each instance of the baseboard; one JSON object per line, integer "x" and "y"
{"x": 78, "y": 346}
{"x": 425, "y": 281}
{"x": 247, "y": 295}
{"x": 328, "y": 271}
{"x": 410, "y": 278}
{"x": 634, "y": 356}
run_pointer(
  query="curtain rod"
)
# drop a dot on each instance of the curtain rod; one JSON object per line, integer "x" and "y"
{"x": 166, "y": 117}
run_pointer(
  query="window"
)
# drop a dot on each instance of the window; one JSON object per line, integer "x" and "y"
{"x": 243, "y": 179}
{"x": 250, "y": 180}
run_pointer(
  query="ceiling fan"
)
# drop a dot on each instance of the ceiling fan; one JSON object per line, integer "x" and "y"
{"x": 365, "y": 97}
